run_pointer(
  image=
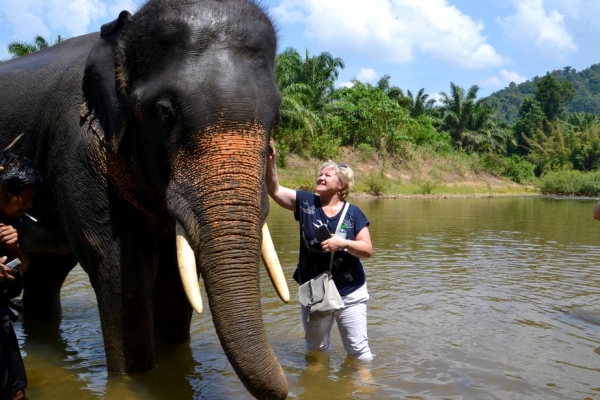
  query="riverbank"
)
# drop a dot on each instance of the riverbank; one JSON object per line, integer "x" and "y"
{"x": 417, "y": 176}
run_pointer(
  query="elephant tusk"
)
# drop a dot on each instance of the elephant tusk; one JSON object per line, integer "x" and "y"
{"x": 273, "y": 267}
{"x": 186, "y": 261}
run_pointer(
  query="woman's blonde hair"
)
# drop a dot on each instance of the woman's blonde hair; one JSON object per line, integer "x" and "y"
{"x": 345, "y": 175}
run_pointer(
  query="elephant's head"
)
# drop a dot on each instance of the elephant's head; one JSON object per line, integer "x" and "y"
{"x": 189, "y": 105}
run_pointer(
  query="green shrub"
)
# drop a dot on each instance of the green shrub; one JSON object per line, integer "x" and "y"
{"x": 282, "y": 151}
{"x": 305, "y": 182}
{"x": 427, "y": 187}
{"x": 365, "y": 152}
{"x": 324, "y": 147}
{"x": 376, "y": 182}
{"x": 571, "y": 183}
{"x": 515, "y": 167}
{"x": 518, "y": 169}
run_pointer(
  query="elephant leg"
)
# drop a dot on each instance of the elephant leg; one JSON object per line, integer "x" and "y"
{"x": 121, "y": 282}
{"x": 44, "y": 278}
{"x": 119, "y": 253}
{"x": 171, "y": 309}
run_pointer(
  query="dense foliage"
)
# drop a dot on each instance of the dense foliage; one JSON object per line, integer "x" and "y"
{"x": 571, "y": 183}
{"x": 543, "y": 136}
{"x": 317, "y": 118}
{"x": 18, "y": 49}
{"x": 587, "y": 98}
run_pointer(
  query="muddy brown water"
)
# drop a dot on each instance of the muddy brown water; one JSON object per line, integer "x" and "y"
{"x": 470, "y": 299}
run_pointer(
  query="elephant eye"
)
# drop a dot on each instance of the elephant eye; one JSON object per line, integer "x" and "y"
{"x": 167, "y": 113}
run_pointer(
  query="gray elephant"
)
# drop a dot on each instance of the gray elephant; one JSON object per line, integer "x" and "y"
{"x": 160, "y": 122}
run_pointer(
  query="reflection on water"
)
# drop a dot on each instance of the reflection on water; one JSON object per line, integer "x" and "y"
{"x": 470, "y": 298}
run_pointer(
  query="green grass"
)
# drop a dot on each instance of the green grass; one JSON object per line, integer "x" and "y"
{"x": 571, "y": 183}
{"x": 376, "y": 182}
{"x": 430, "y": 173}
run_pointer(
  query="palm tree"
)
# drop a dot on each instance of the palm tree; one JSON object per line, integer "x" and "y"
{"x": 18, "y": 48}
{"x": 289, "y": 68}
{"x": 582, "y": 120}
{"x": 320, "y": 74}
{"x": 297, "y": 111}
{"x": 419, "y": 103}
{"x": 393, "y": 92}
{"x": 306, "y": 85}
{"x": 464, "y": 114}
{"x": 294, "y": 109}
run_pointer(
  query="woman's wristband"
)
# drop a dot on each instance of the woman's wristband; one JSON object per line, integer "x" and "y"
{"x": 347, "y": 245}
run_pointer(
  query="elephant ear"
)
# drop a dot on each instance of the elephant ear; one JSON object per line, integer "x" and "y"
{"x": 104, "y": 83}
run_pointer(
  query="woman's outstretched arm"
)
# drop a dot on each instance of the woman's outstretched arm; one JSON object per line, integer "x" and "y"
{"x": 283, "y": 196}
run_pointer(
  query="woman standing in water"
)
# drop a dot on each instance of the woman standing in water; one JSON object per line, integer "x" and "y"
{"x": 333, "y": 185}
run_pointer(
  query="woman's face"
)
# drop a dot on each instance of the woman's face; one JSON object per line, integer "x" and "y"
{"x": 14, "y": 206}
{"x": 328, "y": 181}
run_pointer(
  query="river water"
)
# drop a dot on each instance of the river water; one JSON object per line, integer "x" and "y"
{"x": 470, "y": 299}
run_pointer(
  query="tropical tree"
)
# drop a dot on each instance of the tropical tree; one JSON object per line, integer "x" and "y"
{"x": 392, "y": 92}
{"x": 561, "y": 146}
{"x": 306, "y": 85}
{"x": 364, "y": 114}
{"x": 553, "y": 95}
{"x": 319, "y": 73}
{"x": 582, "y": 120}
{"x": 289, "y": 68}
{"x": 419, "y": 103}
{"x": 550, "y": 149}
{"x": 18, "y": 48}
{"x": 457, "y": 108}
{"x": 464, "y": 116}
{"x": 295, "y": 110}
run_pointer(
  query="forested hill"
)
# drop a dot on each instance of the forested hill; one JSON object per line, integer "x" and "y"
{"x": 587, "y": 99}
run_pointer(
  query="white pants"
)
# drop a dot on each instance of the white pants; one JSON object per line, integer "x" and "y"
{"x": 351, "y": 322}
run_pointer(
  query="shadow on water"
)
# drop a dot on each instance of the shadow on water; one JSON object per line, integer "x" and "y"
{"x": 62, "y": 372}
{"x": 322, "y": 377}
{"x": 174, "y": 365}
{"x": 587, "y": 315}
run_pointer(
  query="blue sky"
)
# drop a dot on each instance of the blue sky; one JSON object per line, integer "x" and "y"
{"x": 419, "y": 43}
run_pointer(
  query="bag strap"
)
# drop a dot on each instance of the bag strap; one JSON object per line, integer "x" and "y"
{"x": 339, "y": 225}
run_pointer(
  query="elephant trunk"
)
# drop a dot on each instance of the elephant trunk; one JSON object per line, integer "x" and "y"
{"x": 234, "y": 300}
{"x": 222, "y": 206}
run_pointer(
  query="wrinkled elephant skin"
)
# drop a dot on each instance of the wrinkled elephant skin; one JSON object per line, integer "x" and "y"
{"x": 162, "y": 118}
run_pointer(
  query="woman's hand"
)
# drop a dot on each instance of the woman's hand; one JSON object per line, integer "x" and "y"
{"x": 335, "y": 243}
{"x": 6, "y": 273}
{"x": 9, "y": 237}
{"x": 272, "y": 152}
{"x": 360, "y": 247}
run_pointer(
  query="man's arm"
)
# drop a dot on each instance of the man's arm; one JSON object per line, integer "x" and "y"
{"x": 9, "y": 237}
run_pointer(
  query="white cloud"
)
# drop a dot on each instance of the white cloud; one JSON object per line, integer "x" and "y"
{"x": 504, "y": 79}
{"x": 533, "y": 24}
{"x": 578, "y": 13}
{"x": 367, "y": 75}
{"x": 492, "y": 81}
{"x": 511, "y": 76}
{"x": 437, "y": 97}
{"x": 24, "y": 19}
{"x": 393, "y": 30}
{"x": 346, "y": 84}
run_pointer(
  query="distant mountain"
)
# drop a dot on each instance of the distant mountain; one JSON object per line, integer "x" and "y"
{"x": 586, "y": 82}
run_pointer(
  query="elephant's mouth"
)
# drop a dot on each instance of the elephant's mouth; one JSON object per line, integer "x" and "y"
{"x": 186, "y": 260}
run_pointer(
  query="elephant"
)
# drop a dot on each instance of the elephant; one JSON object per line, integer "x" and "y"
{"x": 152, "y": 137}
